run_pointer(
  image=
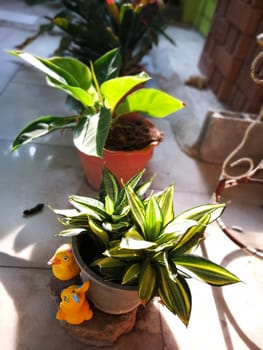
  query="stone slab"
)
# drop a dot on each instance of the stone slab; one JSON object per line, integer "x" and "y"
{"x": 103, "y": 329}
{"x": 223, "y": 131}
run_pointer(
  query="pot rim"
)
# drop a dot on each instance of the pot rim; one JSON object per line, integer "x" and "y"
{"x": 99, "y": 279}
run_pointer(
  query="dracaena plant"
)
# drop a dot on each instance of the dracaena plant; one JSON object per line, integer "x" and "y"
{"x": 153, "y": 250}
{"x": 106, "y": 218}
{"x": 90, "y": 28}
{"x": 101, "y": 97}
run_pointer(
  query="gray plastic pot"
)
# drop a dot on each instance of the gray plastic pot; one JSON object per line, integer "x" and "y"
{"x": 109, "y": 297}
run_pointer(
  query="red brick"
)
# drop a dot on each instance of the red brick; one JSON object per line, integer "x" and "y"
{"x": 231, "y": 39}
{"x": 243, "y": 45}
{"x": 252, "y": 53}
{"x": 247, "y": 85}
{"x": 222, "y": 7}
{"x": 216, "y": 80}
{"x": 219, "y": 28}
{"x": 209, "y": 47}
{"x": 253, "y": 106}
{"x": 228, "y": 64}
{"x": 224, "y": 90}
{"x": 244, "y": 16}
{"x": 238, "y": 101}
{"x": 257, "y": 3}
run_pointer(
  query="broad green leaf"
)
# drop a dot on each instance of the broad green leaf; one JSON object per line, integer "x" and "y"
{"x": 132, "y": 273}
{"x": 86, "y": 98}
{"x": 65, "y": 73}
{"x": 137, "y": 208}
{"x": 115, "y": 89}
{"x": 133, "y": 240}
{"x": 153, "y": 219}
{"x": 175, "y": 294}
{"x": 41, "y": 127}
{"x": 152, "y": 102}
{"x": 36, "y": 62}
{"x": 75, "y": 72}
{"x": 108, "y": 66}
{"x": 214, "y": 210}
{"x": 91, "y": 133}
{"x": 205, "y": 269}
{"x": 147, "y": 282}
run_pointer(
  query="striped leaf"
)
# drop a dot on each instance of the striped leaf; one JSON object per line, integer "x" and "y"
{"x": 191, "y": 238}
{"x": 137, "y": 208}
{"x": 133, "y": 240}
{"x": 91, "y": 206}
{"x": 175, "y": 294}
{"x": 147, "y": 282}
{"x": 153, "y": 219}
{"x": 132, "y": 273}
{"x": 214, "y": 210}
{"x": 207, "y": 270}
{"x": 165, "y": 201}
{"x": 109, "y": 191}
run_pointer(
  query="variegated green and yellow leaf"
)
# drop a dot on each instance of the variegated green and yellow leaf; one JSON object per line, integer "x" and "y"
{"x": 153, "y": 220}
{"x": 207, "y": 270}
{"x": 147, "y": 282}
{"x": 132, "y": 273}
{"x": 175, "y": 294}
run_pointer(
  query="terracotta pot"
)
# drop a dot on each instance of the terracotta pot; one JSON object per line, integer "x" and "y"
{"x": 109, "y": 297}
{"x": 123, "y": 164}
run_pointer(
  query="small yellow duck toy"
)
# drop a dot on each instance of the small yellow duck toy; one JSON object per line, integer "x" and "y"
{"x": 64, "y": 266}
{"x": 74, "y": 307}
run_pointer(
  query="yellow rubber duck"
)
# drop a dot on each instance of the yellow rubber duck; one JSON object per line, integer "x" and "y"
{"x": 64, "y": 266}
{"x": 74, "y": 307}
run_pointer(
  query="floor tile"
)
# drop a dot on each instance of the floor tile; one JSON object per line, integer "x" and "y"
{"x": 30, "y": 176}
{"x": 27, "y": 320}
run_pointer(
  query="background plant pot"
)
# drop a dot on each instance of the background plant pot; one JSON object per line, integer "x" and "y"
{"x": 111, "y": 298}
{"x": 123, "y": 164}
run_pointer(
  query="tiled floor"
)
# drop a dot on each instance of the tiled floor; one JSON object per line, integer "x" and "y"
{"x": 230, "y": 318}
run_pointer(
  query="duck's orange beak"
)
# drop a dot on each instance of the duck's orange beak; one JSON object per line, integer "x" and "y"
{"x": 54, "y": 261}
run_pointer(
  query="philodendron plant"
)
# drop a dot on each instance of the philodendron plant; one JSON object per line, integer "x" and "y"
{"x": 143, "y": 243}
{"x": 102, "y": 97}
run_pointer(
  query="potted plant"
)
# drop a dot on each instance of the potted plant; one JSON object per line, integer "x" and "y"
{"x": 105, "y": 104}
{"x": 129, "y": 241}
{"x": 91, "y": 28}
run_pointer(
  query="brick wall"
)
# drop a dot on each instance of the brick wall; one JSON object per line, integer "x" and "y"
{"x": 229, "y": 50}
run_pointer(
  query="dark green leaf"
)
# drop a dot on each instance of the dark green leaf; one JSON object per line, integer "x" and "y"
{"x": 91, "y": 133}
{"x": 137, "y": 208}
{"x": 108, "y": 66}
{"x": 41, "y": 127}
